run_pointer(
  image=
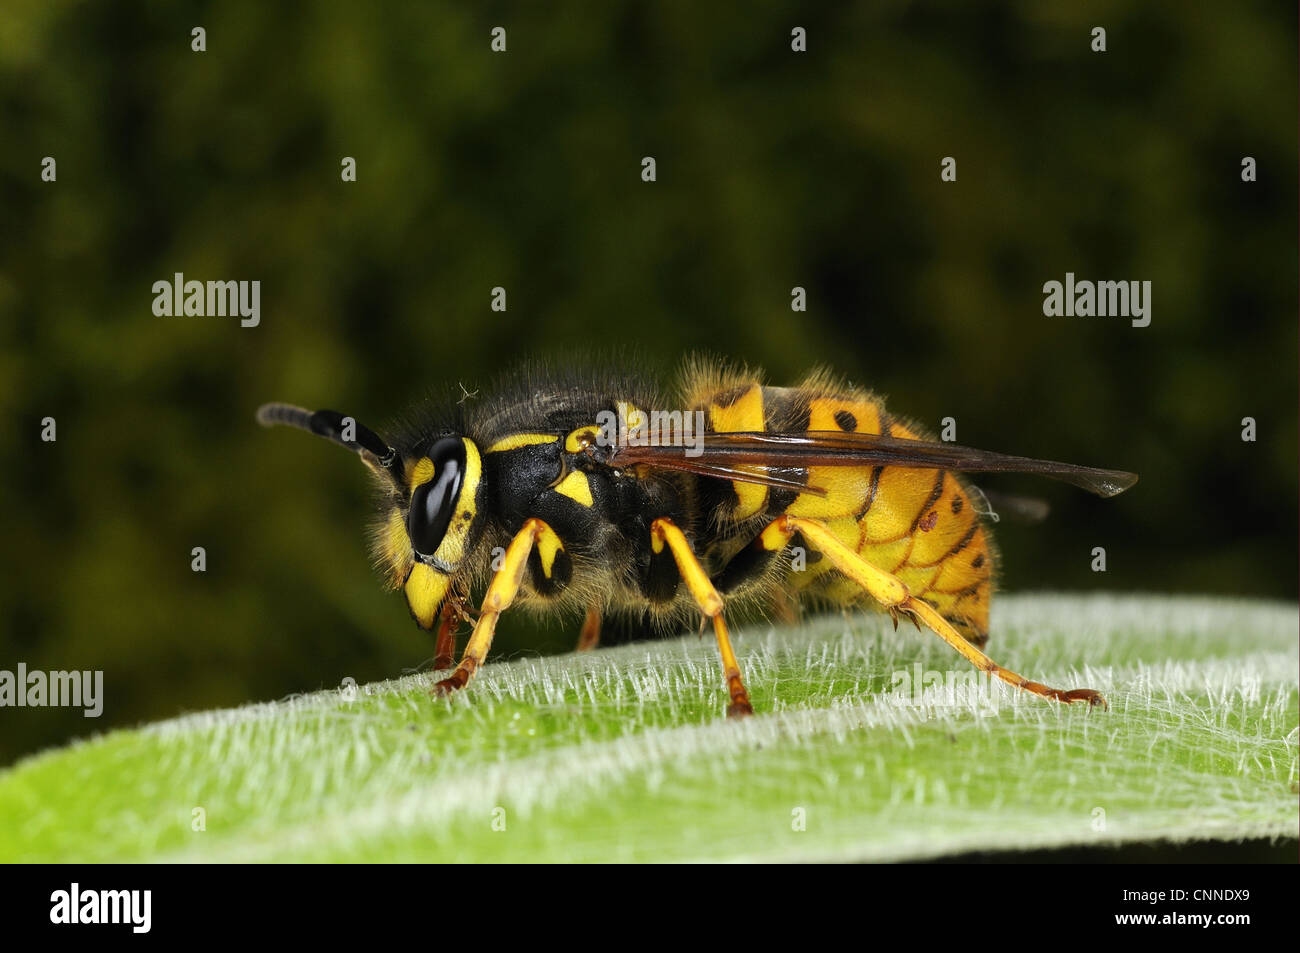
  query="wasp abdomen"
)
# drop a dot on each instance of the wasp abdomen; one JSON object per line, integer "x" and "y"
{"x": 917, "y": 524}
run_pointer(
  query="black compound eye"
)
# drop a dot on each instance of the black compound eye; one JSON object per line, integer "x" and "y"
{"x": 433, "y": 502}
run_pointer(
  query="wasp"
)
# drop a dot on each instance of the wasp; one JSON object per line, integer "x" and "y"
{"x": 592, "y": 494}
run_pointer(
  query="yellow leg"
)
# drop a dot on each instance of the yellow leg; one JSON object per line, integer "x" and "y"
{"x": 663, "y": 532}
{"x": 893, "y": 594}
{"x": 589, "y": 637}
{"x": 501, "y": 593}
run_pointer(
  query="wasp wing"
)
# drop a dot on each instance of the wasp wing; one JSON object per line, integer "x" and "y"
{"x": 770, "y": 458}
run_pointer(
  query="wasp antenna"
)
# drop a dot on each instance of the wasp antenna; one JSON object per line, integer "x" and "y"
{"x": 330, "y": 425}
{"x": 268, "y": 415}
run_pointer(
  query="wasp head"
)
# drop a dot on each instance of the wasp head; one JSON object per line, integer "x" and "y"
{"x": 431, "y": 498}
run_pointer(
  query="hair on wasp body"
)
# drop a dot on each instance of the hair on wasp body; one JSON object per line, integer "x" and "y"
{"x": 516, "y": 494}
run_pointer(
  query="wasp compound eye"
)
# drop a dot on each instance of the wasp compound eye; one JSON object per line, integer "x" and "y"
{"x": 434, "y": 501}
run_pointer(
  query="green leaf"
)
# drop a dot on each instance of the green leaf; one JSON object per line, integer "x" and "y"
{"x": 624, "y": 755}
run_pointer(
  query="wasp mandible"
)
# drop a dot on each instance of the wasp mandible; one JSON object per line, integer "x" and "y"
{"x": 591, "y": 520}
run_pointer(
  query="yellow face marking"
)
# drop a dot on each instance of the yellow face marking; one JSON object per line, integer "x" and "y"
{"x": 743, "y": 414}
{"x": 576, "y": 487}
{"x": 452, "y": 548}
{"x": 548, "y": 546}
{"x": 419, "y": 472}
{"x": 425, "y": 589}
{"x": 515, "y": 441}
{"x": 395, "y": 540}
{"x": 394, "y": 547}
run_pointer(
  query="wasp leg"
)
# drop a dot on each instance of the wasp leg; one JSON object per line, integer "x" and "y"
{"x": 664, "y": 531}
{"x": 589, "y": 637}
{"x": 892, "y": 593}
{"x": 448, "y": 622}
{"x": 501, "y": 593}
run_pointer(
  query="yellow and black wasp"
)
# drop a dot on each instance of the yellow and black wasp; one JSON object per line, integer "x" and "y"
{"x": 591, "y": 493}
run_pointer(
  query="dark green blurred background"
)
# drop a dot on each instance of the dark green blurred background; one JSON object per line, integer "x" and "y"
{"x": 522, "y": 169}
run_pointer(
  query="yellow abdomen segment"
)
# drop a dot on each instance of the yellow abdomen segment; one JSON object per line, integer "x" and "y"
{"x": 917, "y": 524}
{"x": 920, "y": 525}
{"x": 739, "y": 411}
